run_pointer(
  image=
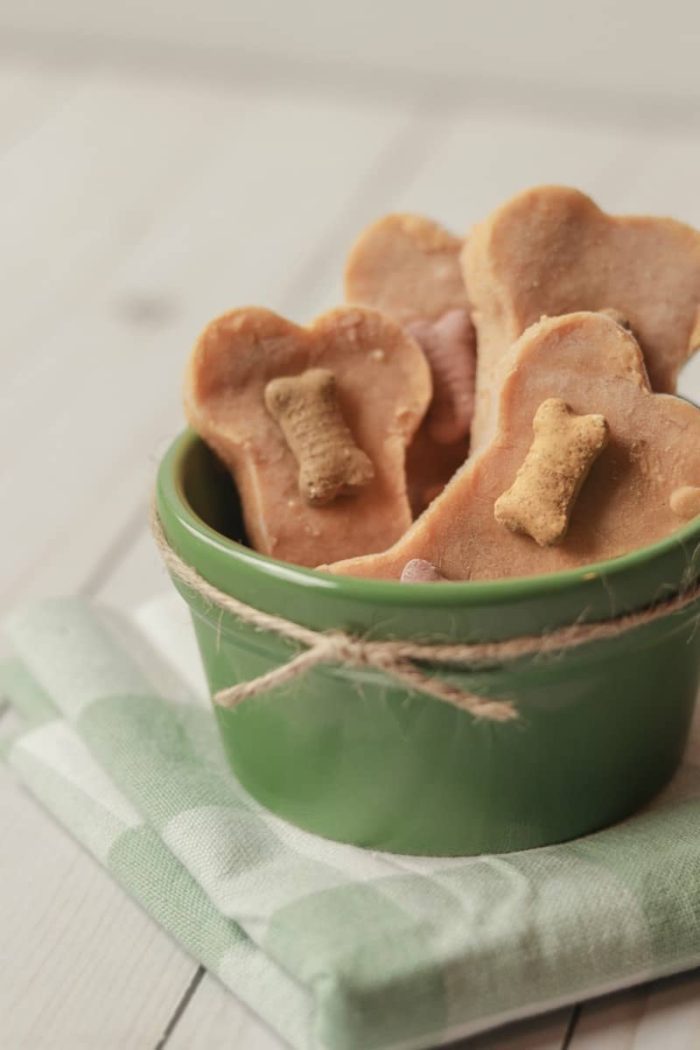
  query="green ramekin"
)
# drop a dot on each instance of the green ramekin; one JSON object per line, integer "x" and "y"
{"x": 352, "y": 756}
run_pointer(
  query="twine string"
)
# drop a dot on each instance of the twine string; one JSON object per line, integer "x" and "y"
{"x": 402, "y": 659}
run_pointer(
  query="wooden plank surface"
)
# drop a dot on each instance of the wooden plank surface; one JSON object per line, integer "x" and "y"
{"x": 133, "y": 207}
{"x": 664, "y": 1015}
{"x": 82, "y": 966}
{"x": 104, "y": 379}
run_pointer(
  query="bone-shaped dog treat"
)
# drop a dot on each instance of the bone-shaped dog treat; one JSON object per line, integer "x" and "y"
{"x": 595, "y": 367}
{"x": 408, "y": 267}
{"x": 307, "y": 409}
{"x": 378, "y": 395}
{"x": 551, "y": 251}
{"x": 565, "y": 446}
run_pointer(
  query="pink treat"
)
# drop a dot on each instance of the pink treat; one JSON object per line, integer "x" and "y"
{"x": 418, "y": 570}
{"x": 449, "y": 343}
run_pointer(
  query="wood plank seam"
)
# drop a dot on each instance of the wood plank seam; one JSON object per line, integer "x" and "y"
{"x": 181, "y": 1007}
{"x": 571, "y": 1027}
{"x": 117, "y": 550}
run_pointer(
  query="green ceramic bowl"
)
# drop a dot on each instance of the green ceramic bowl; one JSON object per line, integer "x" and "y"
{"x": 348, "y": 755}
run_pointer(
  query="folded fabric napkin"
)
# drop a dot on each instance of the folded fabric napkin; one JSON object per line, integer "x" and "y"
{"x": 336, "y": 947}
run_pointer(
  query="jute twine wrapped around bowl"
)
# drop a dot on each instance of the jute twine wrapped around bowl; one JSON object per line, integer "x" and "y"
{"x": 399, "y": 659}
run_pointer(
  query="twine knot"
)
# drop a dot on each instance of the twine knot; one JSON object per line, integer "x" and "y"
{"x": 403, "y": 661}
{"x": 336, "y": 647}
{"x": 352, "y": 651}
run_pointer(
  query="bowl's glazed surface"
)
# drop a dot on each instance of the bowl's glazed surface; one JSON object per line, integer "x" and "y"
{"x": 350, "y": 755}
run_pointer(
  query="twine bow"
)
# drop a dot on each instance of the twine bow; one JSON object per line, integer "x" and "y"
{"x": 401, "y": 660}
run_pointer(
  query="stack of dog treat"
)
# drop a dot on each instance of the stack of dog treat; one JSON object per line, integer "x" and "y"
{"x": 499, "y": 406}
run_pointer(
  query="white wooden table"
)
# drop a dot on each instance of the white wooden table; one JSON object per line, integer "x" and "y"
{"x": 138, "y": 199}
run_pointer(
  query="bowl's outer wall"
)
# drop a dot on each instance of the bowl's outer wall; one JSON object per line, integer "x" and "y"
{"x": 345, "y": 754}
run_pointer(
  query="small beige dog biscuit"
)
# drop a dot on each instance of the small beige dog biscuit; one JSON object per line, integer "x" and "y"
{"x": 251, "y": 380}
{"x": 540, "y": 500}
{"x": 596, "y": 368}
{"x": 551, "y": 251}
{"x": 307, "y": 409}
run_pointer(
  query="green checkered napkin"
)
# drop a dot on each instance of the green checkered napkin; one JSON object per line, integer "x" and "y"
{"x": 336, "y": 947}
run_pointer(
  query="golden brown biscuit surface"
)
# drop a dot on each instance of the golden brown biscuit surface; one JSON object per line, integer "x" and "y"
{"x": 383, "y": 387}
{"x": 653, "y": 450}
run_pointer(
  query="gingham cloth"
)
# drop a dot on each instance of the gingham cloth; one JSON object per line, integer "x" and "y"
{"x": 335, "y": 947}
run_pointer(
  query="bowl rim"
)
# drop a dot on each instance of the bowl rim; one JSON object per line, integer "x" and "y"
{"x": 171, "y": 493}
